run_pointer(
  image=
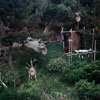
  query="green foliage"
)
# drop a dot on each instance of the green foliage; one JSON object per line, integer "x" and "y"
{"x": 11, "y": 77}
{"x": 87, "y": 90}
{"x": 92, "y": 71}
{"x": 46, "y": 84}
{"x": 64, "y": 11}
{"x": 74, "y": 73}
{"x": 39, "y": 34}
{"x": 24, "y": 54}
{"x": 49, "y": 13}
{"x": 12, "y": 94}
{"x": 15, "y": 36}
{"x": 12, "y": 13}
{"x": 56, "y": 64}
{"x": 9, "y": 94}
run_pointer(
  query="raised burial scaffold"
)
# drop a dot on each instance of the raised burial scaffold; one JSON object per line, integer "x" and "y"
{"x": 79, "y": 52}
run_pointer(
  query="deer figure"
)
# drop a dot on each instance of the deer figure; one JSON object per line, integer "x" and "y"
{"x": 31, "y": 70}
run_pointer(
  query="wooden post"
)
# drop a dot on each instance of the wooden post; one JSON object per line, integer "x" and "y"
{"x": 93, "y": 39}
{"x": 62, "y": 37}
{"x": 95, "y": 51}
{"x": 93, "y": 42}
{"x": 70, "y": 51}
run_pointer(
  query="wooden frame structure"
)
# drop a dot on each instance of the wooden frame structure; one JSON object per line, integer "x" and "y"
{"x": 70, "y": 53}
{"x": 75, "y": 36}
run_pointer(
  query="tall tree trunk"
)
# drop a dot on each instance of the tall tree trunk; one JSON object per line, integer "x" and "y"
{"x": 10, "y": 57}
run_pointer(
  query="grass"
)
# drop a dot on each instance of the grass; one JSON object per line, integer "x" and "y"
{"x": 49, "y": 84}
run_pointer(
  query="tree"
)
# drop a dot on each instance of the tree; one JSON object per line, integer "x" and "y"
{"x": 12, "y": 14}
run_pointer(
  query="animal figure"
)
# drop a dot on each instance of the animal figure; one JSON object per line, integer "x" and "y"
{"x": 36, "y": 44}
{"x": 31, "y": 70}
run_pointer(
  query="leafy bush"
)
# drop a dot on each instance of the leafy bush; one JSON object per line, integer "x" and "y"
{"x": 87, "y": 90}
{"x": 74, "y": 73}
{"x": 11, "y": 76}
{"x": 9, "y": 94}
{"x": 56, "y": 64}
{"x": 40, "y": 34}
{"x": 28, "y": 96}
{"x": 12, "y": 94}
{"x": 1, "y": 87}
{"x": 24, "y": 55}
{"x": 92, "y": 71}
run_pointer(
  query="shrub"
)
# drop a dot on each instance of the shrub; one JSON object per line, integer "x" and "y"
{"x": 87, "y": 90}
{"x": 92, "y": 71}
{"x": 74, "y": 73}
{"x": 12, "y": 94}
{"x": 28, "y": 96}
{"x": 56, "y": 64}
{"x": 1, "y": 87}
{"x": 9, "y": 94}
{"x": 40, "y": 34}
{"x": 24, "y": 55}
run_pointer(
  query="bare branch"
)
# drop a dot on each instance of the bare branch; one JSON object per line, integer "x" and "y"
{"x": 31, "y": 63}
{"x": 28, "y": 64}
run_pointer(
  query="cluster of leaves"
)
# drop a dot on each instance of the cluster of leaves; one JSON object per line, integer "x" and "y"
{"x": 92, "y": 71}
{"x": 87, "y": 90}
{"x": 12, "y": 94}
{"x": 56, "y": 65}
{"x": 47, "y": 86}
{"x": 11, "y": 77}
{"x": 74, "y": 73}
{"x": 86, "y": 78}
{"x": 39, "y": 34}
{"x": 24, "y": 54}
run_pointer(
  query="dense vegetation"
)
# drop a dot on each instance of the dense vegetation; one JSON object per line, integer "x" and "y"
{"x": 56, "y": 80}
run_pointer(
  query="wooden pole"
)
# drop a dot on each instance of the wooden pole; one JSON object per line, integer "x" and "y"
{"x": 70, "y": 51}
{"x": 62, "y": 37}
{"x": 93, "y": 40}
{"x": 95, "y": 51}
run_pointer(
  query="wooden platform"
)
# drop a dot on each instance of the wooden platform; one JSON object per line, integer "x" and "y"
{"x": 82, "y": 53}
